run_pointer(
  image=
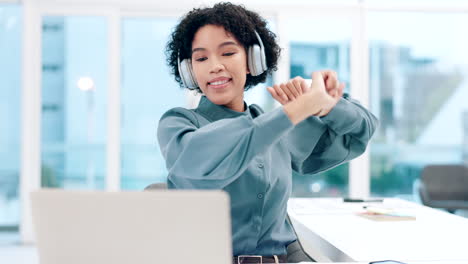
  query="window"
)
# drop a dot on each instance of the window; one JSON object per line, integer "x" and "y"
{"x": 74, "y": 111}
{"x": 418, "y": 72}
{"x": 148, "y": 91}
{"x": 10, "y": 115}
{"x": 319, "y": 48}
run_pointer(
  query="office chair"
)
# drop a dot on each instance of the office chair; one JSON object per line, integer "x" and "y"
{"x": 444, "y": 186}
{"x": 161, "y": 186}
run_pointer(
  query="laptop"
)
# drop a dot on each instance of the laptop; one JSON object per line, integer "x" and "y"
{"x": 165, "y": 227}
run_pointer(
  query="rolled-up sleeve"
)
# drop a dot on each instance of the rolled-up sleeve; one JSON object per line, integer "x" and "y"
{"x": 214, "y": 155}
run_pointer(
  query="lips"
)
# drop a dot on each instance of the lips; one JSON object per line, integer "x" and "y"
{"x": 219, "y": 82}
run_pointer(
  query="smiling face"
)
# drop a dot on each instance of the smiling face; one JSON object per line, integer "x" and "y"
{"x": 219, "y": 63}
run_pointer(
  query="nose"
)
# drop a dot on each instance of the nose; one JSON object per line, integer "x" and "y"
{"x": 216, "y": 66}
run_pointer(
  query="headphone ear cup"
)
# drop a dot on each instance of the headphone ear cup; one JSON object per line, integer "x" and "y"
{"x": 256, "y": 60}
{"x": 191, "y": 75}
{"x": 186, "y": 74}
{"x": 263, "y": 59}
{"x": 250, "y": 61}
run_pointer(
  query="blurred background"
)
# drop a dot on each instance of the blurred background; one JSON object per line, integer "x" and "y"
{"x": 84, "y": 83}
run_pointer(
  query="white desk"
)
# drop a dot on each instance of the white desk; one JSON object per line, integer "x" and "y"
{"x": 330, "y": 231}
{"x": 411, "y": 262}
{"x": 28, "y": 255}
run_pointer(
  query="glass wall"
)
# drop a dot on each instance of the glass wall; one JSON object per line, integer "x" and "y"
{"x": 148, "y": 90}
{"x": 321, "y": 48}
{"x": 10, "y": 115}
{"x": 74, "y": 96}
{"x": 419, "y": 90}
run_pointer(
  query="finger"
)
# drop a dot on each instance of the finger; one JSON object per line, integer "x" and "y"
{"x": 329, "y": 73}
{"x": 281, "y": 97}
{"x": 280, "y": 93}
{"x": 338, "y": 92}
{"x": 274, "y": 94}
{"x": 335, "y": 94}
{"x": 325, "y": 74}
{"x": 334, "y": 83}
{"x": 330, "y": 77}
{"x": 292, "y": 89}
{"x": 328, "y": 81}
{"x": 334, "y": 90}
{"x": 285, "y": 89}
{"x": 317, "y": 80}
{"x": 341, "y": 89}
{"x": 331, "y": 82}
{"x": 297, "y": 84}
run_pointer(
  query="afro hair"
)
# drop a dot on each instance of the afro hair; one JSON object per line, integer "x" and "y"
{"x": 235, "y": 19}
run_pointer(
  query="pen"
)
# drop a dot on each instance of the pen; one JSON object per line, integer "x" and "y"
{"x": 370, "y": 200}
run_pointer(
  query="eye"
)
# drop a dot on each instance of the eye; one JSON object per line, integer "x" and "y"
{"x": 201, "y": 59}
{"x": 229, "y": 53}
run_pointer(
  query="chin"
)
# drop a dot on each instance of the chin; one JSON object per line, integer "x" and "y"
{"x": 219, "y": 99}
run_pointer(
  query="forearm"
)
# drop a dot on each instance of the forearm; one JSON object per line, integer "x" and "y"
{"x": 349, "y": 117}
{"x": 306, "y": 105}
{"x": 301, "y": 108}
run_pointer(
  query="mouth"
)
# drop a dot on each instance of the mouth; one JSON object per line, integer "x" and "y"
{"x": 219, "y": 83}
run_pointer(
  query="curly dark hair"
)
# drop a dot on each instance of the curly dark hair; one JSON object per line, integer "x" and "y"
{"x": 235, "y": 19}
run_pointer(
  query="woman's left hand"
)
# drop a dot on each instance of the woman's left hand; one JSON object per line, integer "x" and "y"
{"x": 289, "y": 91}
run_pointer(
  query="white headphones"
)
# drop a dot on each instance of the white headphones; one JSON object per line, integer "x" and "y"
{"x": 256, "y": 61}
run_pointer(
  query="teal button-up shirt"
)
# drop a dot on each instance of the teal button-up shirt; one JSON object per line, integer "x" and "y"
{"x": 251, "y": 156}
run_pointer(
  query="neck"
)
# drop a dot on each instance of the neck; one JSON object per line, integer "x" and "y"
{"x": 236, "y": 105}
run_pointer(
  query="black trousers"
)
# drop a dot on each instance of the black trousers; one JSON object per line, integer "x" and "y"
{"x": 295, "y": 254}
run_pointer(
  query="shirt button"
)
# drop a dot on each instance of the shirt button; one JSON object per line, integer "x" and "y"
{"x": 260, "y": 165}
{"x": 260, "y": 196}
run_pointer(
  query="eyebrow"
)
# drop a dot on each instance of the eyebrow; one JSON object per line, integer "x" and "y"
{"x": 227, "y": 43}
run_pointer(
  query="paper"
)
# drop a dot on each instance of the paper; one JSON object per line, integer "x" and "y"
{"x": 385, "y": 214}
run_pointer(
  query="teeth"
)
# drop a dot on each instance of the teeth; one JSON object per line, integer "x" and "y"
{"x": 219, "y": 82}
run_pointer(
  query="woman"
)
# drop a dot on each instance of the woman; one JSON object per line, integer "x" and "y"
{"x": 225, "y": 144}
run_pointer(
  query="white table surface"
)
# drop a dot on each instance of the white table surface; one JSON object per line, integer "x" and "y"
{"x": 330, "y": 231}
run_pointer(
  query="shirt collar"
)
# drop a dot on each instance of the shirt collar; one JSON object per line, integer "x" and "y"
{"x": 214, "y": 112}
